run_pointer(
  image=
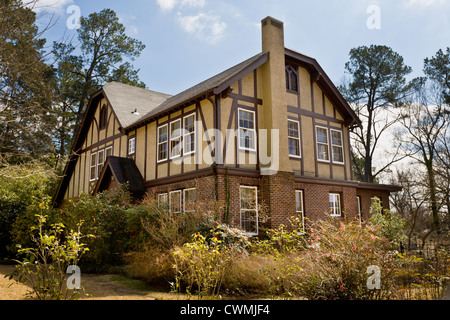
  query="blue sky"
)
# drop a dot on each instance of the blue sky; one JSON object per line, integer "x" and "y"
{"x": 188, "y": 41}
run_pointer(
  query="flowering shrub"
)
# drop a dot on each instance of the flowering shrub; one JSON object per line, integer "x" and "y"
{"x": 201, "y": 265}
{"x": 337, "y": 259}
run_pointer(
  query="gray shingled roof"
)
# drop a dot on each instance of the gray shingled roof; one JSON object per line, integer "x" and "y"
{"x": 204, "y": 87}
{"x": 125, "y": 100}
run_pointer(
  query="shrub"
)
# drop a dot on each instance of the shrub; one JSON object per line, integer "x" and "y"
{"x": 337, "y": 259}
{"x": 44, "y": 266}
{"x": 201, "y": 264}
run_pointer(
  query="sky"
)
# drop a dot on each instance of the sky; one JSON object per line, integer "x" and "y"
{"x": 188, "y": 41}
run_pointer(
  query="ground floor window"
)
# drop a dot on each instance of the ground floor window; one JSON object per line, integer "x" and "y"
{"x": 299, "y": 207}
{"x": 249, "y": 209}
{"x": 178, "y": 201}
{"x": 335, "y": 205}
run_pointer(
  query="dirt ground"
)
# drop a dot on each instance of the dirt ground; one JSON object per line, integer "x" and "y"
{"x": 99, "y": 287}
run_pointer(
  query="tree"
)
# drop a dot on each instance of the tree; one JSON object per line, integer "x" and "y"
{"x": 25, "y": 95}
{"x": 103, "y": 45}
{"x": 438, "y": 69}
{"x": 424, "y": 121}
{"x": 377, "y": 84}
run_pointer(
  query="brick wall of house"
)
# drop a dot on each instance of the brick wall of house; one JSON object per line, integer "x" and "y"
{"x": 276, "y": 197}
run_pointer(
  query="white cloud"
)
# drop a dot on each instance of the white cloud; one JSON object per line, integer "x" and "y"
{"x": 205, "y": 27}
{"x": 51, "y": 6}
{"x": 424, "y": 3}
{"x": 169, "y": 5}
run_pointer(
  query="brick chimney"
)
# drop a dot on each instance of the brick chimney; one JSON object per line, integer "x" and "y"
{"x": 274, "y": 88}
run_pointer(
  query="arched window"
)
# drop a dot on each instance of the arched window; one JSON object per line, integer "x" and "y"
{"x": 103, "y": 117}
{"x": 291, "y": 79}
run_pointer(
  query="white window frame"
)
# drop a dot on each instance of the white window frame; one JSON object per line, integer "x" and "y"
{"x": 337, "y": 146}
{"x": 159, "y": 143}
{"x": 184, "y": 199}
{"x": 94, "y": 155}
{"x": 170, "y": 201}
{"x": 321, "y": 143}
{"x": 302, "y": 209}
{"x": 336, "y": 211}
{"x": 248, "y": 210}
{"x": 358, "y": 201}
{"x": 178, "y": 138}
{"x": 298, "y": 139}
{"x": 186, "y": 133}
{"x": 252, "y": 131}
{"x": 100, "y": 162}
{"x": 132, "y": 146}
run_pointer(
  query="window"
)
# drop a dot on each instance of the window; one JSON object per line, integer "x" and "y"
{"x": 247, "y": 132}
{"x": 299, "y": 207}
{"x": 190, "y": 196}
{"x": 291, "y": 79}
{"x": 163, "y": 139}
{"x": 323, "y": 153}
{"x": 109, "y": 152}
{"x": 294, "y": 138}
{"x": 249, "y": 210}
{"x": 162, "y": 200}
{"x": 358, "y": 201}
{"x": 189, "y": 134}
{"x": 131, "y": 146}
{"x": 93, "y": 166}
{"x": 175, "y": 201}
{"x": 175, "y": 139}
{"x": 101, "y": 162}
{"x": 335, "y": 205}
{"x": 337, "y": 146}
{"x": 103, "y": 117}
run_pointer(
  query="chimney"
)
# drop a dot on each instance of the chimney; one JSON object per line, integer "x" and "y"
{"x": 274, "y": 88}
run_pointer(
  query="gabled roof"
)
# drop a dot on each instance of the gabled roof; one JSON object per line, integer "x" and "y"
{"x": 327, "y": 85}
{"x": 131, "y": 103}
{"x": 214, "y": 85}
{"x": 124, "y": 171}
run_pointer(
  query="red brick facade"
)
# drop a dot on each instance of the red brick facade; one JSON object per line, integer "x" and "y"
{"x": 276, "y": 197}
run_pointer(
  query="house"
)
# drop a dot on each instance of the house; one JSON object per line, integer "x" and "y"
{"x": 272, "y": 130}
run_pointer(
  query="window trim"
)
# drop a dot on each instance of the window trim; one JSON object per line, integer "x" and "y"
{"x": 161, "y": 143}
{"x": 359, "y": 204}
{"x": 255, "y": 210}
{"x": 186, "y": 133}
{"x": 321, "y": 143}
{"x": 180, "y": 137}
{"x": 170, "y": 201}
{"x": 337, "y": 146}
{"x": 95, "y": 155}
{"x": 103, "y": 117}
{"x": 332, "y": 209}
{"x": 131, "y": 143}
{"x": 299, "y": 156}
{"x": 251, "y": 130}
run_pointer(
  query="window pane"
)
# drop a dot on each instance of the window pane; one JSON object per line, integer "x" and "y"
{"x": 189, "y": 124}
{"x": 249, "y": 221}
{"x": 248, "y": 198}
{"x": 175, "y": 129}
{"x": 299, "y": 201}
{"x": 294, "y": 147}
{"x": 335, "y": 204}
{"x": 323, "y": 152}
{"x": 189, "y": 143}
{"x": 162, "y": 151}
{"x": 246, "y": 120}
{"x": 322, "y": 136}
{"x": 163, "y": 137}
{"x": 338, "y": 154}
{"x": 336, "y": 138}
{"x": 175, "y": 202}
{"x": 293, "y": 130}
{"x": 190, "y": 196}
{"x": 247, "y": 139}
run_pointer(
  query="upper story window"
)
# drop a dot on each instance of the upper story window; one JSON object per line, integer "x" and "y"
{"x": 103, "y": 117}
{"x": 176, "y": 138}
{"x": 323, "y": 152}
{"x": 163, "y": 143}
{"x": 292, "y": 83}
{"x": 337, "y": 146}
{"x": 247, "y": 130}
{"x": 131, "y": 146}
{"x": 98, "y": 160}
{"x": 294, "y": 138}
